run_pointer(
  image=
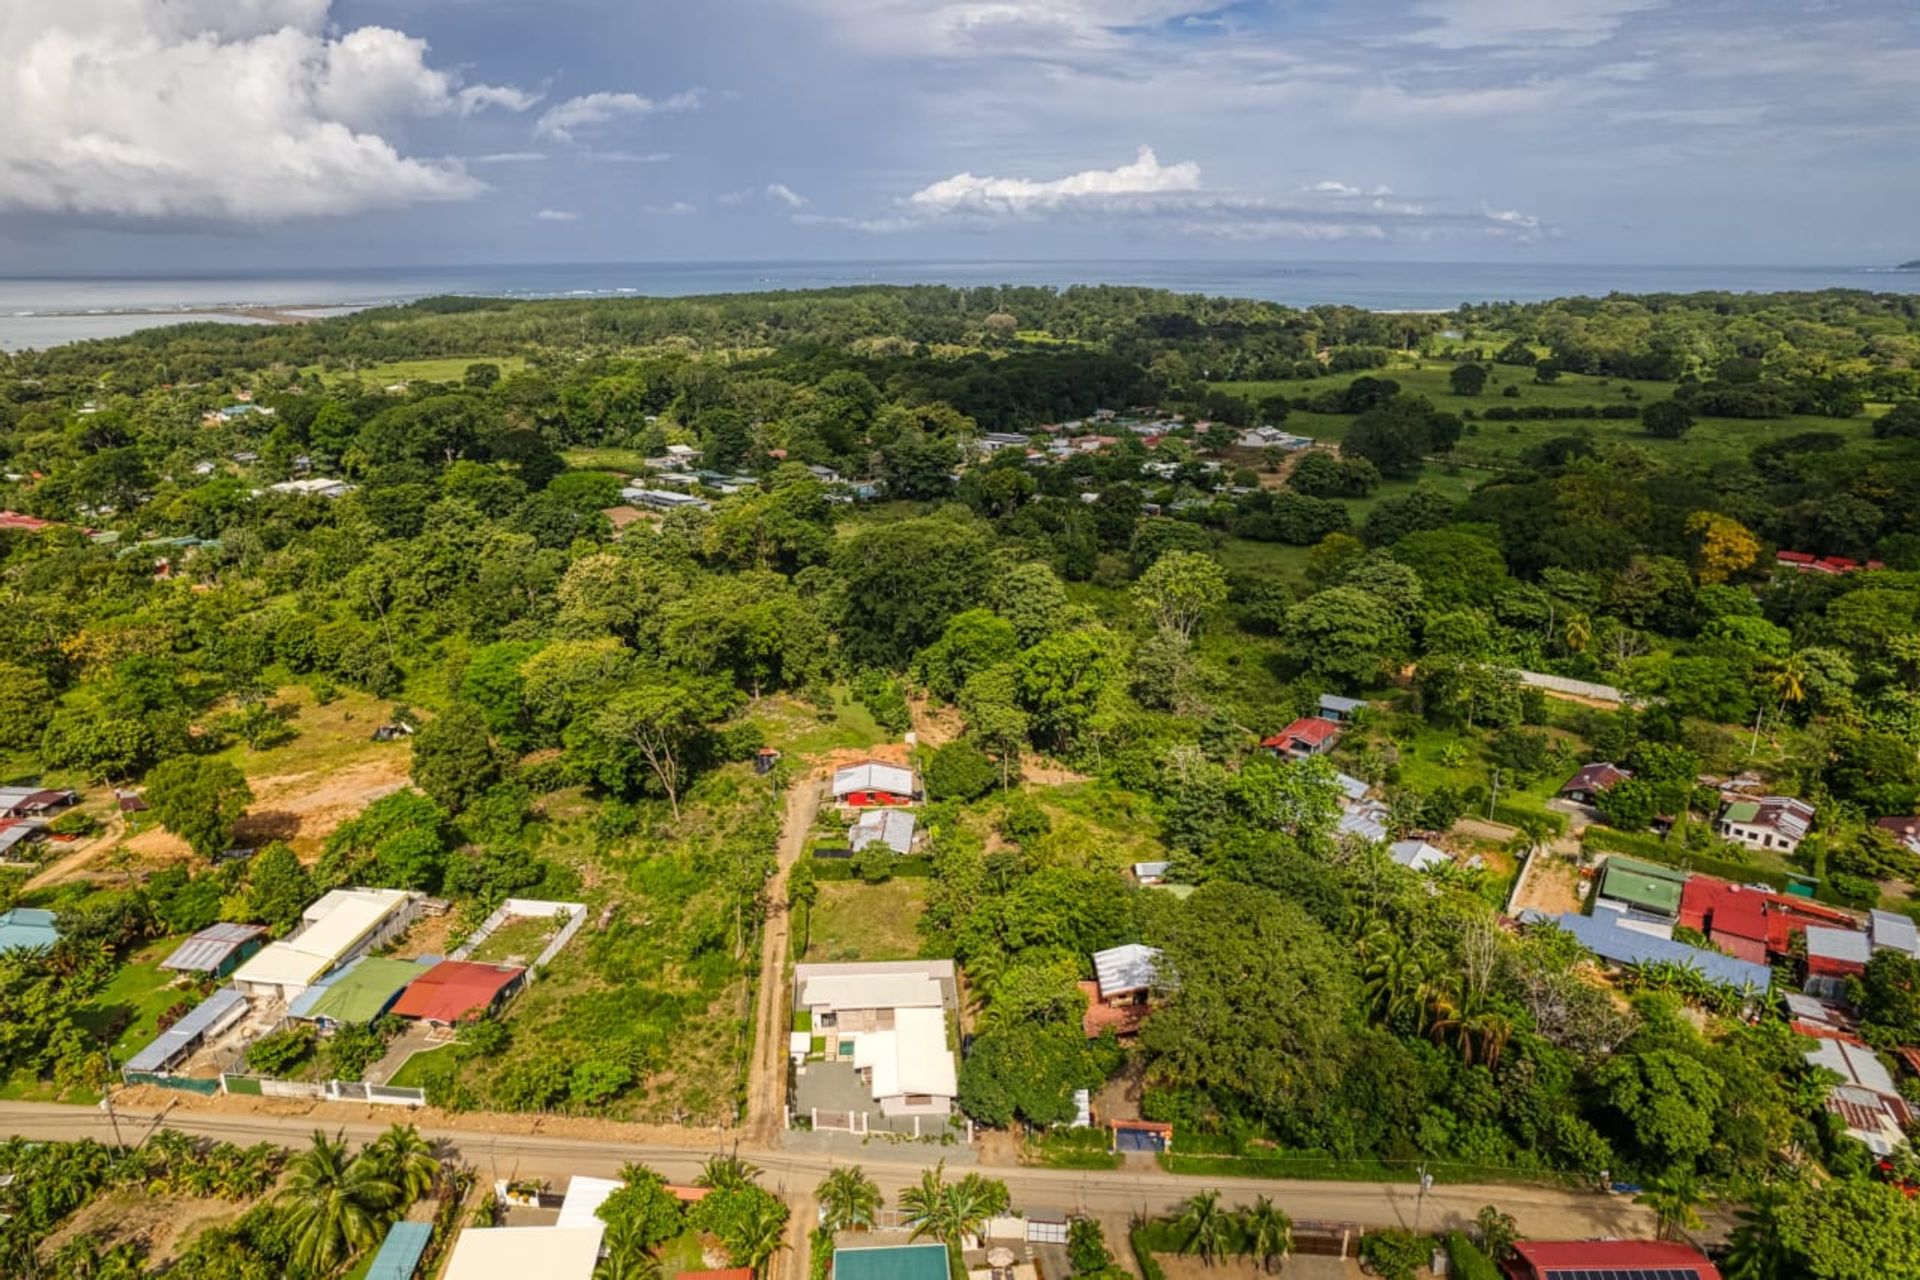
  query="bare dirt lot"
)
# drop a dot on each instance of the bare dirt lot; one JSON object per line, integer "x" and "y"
{"x": 163, "y": 1223}
{"x": 1552, "y": 885}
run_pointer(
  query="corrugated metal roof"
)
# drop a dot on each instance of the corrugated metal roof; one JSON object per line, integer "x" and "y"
{"x": 1351, "y": 787}
{"x": 1854, "y": 1064}
{"x": 27, "y": 927}
{"x": 1610, "y": 940}
{"x": 1364, "y": 824}
{"x": 891, "y": 827}
{"x": 1895, "y": 932}
{"x": 874, "y": 775}
{"x": 208, "y": 949}
{"x": 1334, "y": 702}
{"x": 1129, "y": 968}
{"x": 362, "y": 991}
{"x": 399, "y": 1254}
{"x": 178, "y": 1039}
{"x": 1838, "y": 944}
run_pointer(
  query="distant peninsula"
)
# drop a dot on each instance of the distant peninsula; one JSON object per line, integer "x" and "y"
{"x": 1910, "y": 265}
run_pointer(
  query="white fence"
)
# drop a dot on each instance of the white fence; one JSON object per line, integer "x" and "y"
{"x": 1577, "y": 688}
{"x": 527, "y": 909}
{"x": 323, "y": 1091}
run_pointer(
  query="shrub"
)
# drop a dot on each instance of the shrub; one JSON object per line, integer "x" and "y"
{"x": 1469, "y": 1263}
{"x": 960, "y": 771}
{"x": 1396, "y": 1255}
{"x": 280, "y": 1051}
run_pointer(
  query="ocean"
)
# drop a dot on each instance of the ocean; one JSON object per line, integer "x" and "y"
{"x": 43, "y": 312}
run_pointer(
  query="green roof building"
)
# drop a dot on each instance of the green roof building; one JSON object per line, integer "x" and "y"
{"x": 359, "y": 993}
{"x": 891, "y": 1262}
{"x": 1643, "y": 886}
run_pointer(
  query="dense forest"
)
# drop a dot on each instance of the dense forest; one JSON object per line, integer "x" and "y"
{"x": 1594, "y": 489}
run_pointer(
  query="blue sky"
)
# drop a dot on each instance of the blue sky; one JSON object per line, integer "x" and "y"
{"x": 191, "y": 134}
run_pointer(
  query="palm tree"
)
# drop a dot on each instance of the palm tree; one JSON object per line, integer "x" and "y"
{"x": 625, "y": 1255}
{"x": 849, "y": 1199}
{"x": 1395, "y": 973}
{"x": 1578, "y": 632}
{"x": 1497, "y": 1232}
{"x": 925, "y": 1204}
{"x": 406, "y": 1158}
{"x": 1206, "y": 1227}
{"x": 1267, "y": 1233}
{"x": 1754, "y": 1251}
{"x": 335, "y": 1203}
{"x": 726, "y": 1173}
{"x": 759, "y": 1234}
{"x": 933, "y": 1208}
{"x": 1675, "y": 1201}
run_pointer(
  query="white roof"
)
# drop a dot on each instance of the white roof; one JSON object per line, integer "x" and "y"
{"x": 1417, "y": 854}
{"x": 1150, "y": 870}
{"x": 517, "y": 1253}
{"x": 1129, "y": 968}
{"x": 584, "y": 1195}
{"x": 871, "y": 991}
{"x": 911, "y": 1058}
{"x": 1363, "y": 823}
{"x": 1809, "y": 1008}
{"x": 1351, "y": 787}
{"x": 890, "y": 827}
{"x": 334, "y": 924}
{"x": 1894, "y": 932}
{"x": 1837, "y": 944}
{"x": 873, "y": 776}
{"x": 1854, "y": 1064}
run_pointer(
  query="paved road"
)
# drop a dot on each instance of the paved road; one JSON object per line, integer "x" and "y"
{"x": 1540, "y": 1211}
{"x": 767, "y": 1073}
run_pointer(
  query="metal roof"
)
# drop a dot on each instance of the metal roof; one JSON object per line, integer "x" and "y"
{"x": 208, "y": 949}
{"x": 1132, "y": 967}
{"x": 1844, "y": 945}
{"x": 1364, "y": 824}
{"x": 1893, "y": 932}
{"x": 1417, "y": 854}
{"x": 1643, "y": 884}
{"x": 1610, "y": 940}
{"x": 170, "y": 1045}
{"x": 454, "y": 989}
{"x": 27, "y": 927}
{"x": 891, "y": 827}
{"x": 1351, "y": 787}
{"x": 874, "y": 775}
{"x": 1334, "y": 702}
{"x": 361, "y": 991}
{"x": 399, "y": 1254}
{"x": 1853, "y": 1063}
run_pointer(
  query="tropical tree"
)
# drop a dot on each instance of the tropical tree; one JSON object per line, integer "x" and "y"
{"x": 1754, "y": 1251}
{"x": 1675, "y": 1201}
{"x": 1497, "y": 1232}
{"x": 848, "y": 1199}
{"x": 336, "y": 1203}
{"x": 758, "y": 1234}
{"x": 933, "y": 1207}
{"x": 726, "y": 1173}
{"x": 1266, "y": 1233}
{"x": 1205, "y": 1228}
{"x": 1394, "y": 970}
{"x": 406, "y": 1158}
{"x": 625, "y": 1253}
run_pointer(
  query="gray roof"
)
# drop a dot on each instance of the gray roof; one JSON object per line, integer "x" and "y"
{"x": 891, "y": 827}
{"x": 179, "y": 1039}
{"x": 1811, "y": 1008}
{"x": 1364, "y": 824}
{"x": 1417, "y": 854}
{"x": 18, "y": 833}
{"x": 1334, "y": 702}
{"x": 1128, "y": 968}
{"x": 1610, "y": 940}
{"x": 208, "y": 949}
{"x": 1893, "y": 932}
{"x": 1351, "y": 787}
{"x": 1855, "y": 1064}
{"x": 1838, "y": 944}
{"x": 1150, "y": 870}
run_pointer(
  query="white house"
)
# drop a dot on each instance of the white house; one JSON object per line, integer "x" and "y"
{"x": 343, "y": 925}
{"x": 887, "y": 1021}
{"x": 1770, "y": 822}
{"x": 317, "y": 487}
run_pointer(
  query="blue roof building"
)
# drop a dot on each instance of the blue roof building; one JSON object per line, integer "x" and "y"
{"x": 27, "y": 927}
{"x": 1608, "y": 938}
{"x": 400, "y": 1253}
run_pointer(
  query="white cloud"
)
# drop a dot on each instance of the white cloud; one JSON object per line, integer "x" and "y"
{"x": 786, "y": 195}
{"x": 630, "y": 157}
{"x": 966, "y": 193}
{"x": 589, "y": 110}
{"x": 555, "y": 215}
{"x": 1465, "y": 24}
{"x": 248, "y": 110}
{"x": 677, "y": 209}
{"x": 508, "y": 157}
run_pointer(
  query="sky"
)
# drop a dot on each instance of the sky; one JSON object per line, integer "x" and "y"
{"x": 156, "y": 135}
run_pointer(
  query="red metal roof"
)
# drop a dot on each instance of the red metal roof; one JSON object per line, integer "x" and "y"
{"x": 1310, "y": 730}
{"x": 453, "y": 989}
{"x": 732, "y": 1273}
{"x": 1602, "y": 775}
{"x": 1546, "y": 1258}
{"x": 25, "y": 523}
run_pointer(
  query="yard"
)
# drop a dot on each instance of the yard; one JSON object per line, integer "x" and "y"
{"x": 517, "y": 941}
{"x": 124, "y": 1013}
{"x": 854, "y": 921}
{"x": 440, "y": 369}
{"x": 422, "y": 1066}
{"x": 626, "y": 462}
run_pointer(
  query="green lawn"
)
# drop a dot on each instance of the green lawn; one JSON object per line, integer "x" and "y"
{"x": 797, "y": 729}
{"x": 519, "y": 940}
{"x": 682, "y": 1254}
{"x": 626, "y": 462}
{"x": 442, "y": 369}
{"x": 137, "y": 995}
{"x": 854, "y": 921}
{"x": 414, "y": 1071}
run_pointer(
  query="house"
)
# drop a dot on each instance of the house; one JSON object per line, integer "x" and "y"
{"x": 316, "y": 487}
{"x": 884, "y": 1032}
{"x": 1642, "y": 889}
{"x": 874, "y": 783}
{"x": 1338, "y": 709}
{"x": 1271, "y": 438}
{"x": 1352, "y": 789}
{"x": 1122, "y": 988}
{"x": 1150, "y": 873}
{"x": 825, "y": 475}
{"x": 1865, "y": 1098}
{"x": 203, "y": 1022}
{"x": 34, "y": 802}
{"x": 1805, "y": 562}
{"x": 216, "y": 950}
{"x": 1418, "y": 855}
{"x": 663, "y": 500}
{"x": 683, "y": 454}
{"x": 1733, "y": 916}
{"x": 893, "y": 828}
{"x": 1834, "y": 955}
{"x": 21, "y": 523}
{"x": 457, "y": 991}
{"x": 355, "y": 994}
{"x": 1608, "y": 1260}
{"x": 1892, "y": 932}
{"x": 25, "y": 927}
{"x": 994, "y": 441}
{"x": 15, "y": 834}
{"x": 1309, "y": 736}
{"x": 1586, "y": 786}
{"x": 1770, "y": 822}
{"x": 1905, "y": 830}
{"x": 517, "y": 1253}
{"x": 1609, "y": 939}
{"x": 342, "y": 925}
{"x": 1364, "y": 822}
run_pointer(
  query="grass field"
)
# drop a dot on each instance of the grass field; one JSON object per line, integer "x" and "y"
{"x": 444, "y": 369}
{"x": 626, "y": 462}
{"x": 137, "y": 995}
{"x": 519, "y": 940}
{"x": 855, "y": 921}
{"x": 413, "y": 1073}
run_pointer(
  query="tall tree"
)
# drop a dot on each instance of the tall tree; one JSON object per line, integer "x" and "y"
{"x": 199, "y": 800}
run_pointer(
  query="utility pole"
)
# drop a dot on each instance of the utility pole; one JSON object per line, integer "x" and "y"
{"x": 1494, "y": 798}
{"x": 1420, "y": 1203}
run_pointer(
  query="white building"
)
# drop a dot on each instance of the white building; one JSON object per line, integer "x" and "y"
{"x": 888, "y": 1020}
{"x": 317, "y": 487}
{"x": 1771, "y": 822}
{"x": 342, "y": 925}
{"x": 524, "y": 1253}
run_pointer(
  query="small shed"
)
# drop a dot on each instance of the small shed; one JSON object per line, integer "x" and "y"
{"x": 216, "y": 950}
{"x": 27, "y": 927}
{"x": 1340, "y": 710}
{"x": 208, "y": 1018}
{"x": 1643, "y": 886}
{"x": 1149, "y": 1137}
{"x": 1151, "y": 873}
{"x": 401, "y": 1251}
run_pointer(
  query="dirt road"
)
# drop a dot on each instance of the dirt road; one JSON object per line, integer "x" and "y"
{"x": 1542, "y": 1212}
{"x": 767, "y": 1075}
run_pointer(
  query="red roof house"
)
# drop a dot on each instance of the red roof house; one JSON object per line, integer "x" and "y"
{"x": 1607, "y": 1260}
{"x": 24, "y": 523}
{"x": 1311, "y": 736}
{"x": 1806, "y": 562}
{"x": 457, "y": 991}
{"x": 1733, "y": 916}
{"x": 1585, "y": 786}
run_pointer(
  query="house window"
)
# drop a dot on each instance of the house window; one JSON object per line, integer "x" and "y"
{"x": 919, "y": 1100}
{"x": 824, "y": 1019}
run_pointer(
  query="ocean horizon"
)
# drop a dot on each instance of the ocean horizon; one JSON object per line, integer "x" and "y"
{"x": 44, "y": 311}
